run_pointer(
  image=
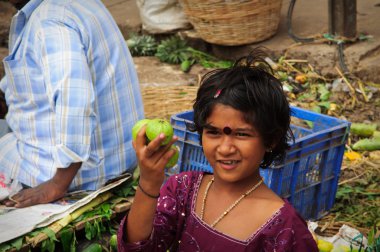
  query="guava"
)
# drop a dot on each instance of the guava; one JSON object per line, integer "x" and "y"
{"x": 157, "y": 126}
{"x": 324, "y": 246}
{"x": 138, "y": 125}
{"x": 113, "y": 242}
{"x": 174, "y": 159}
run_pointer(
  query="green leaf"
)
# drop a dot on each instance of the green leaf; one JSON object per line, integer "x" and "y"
{"x": 282, "y": 75}
{"x": 316, "y": 109}
{"x": 67, "y": 236}
{"x": 48, "y": 245}
{"x": 363, "y": 36}
{"x": 94, "y": 247}
{"x": 325, "y": 104}
{"x": 50, "y": 233}
{"x": 142, "y": 45}
{"x": 88, "y": 231}
{"x": 17, "y": 243}
{"x": 97, "y": 229}
{"x": 305, "y": 96}
{"x": 173, "y": 50}
{"x": 281, "y": 60}
{"x": 328, "y": 36}
{"x": 106, "y": 207}
{"x": 4, "y": 247}
{"x": 324, "y": 94}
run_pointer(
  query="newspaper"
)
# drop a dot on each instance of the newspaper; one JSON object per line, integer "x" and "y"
{"x": 15, "y": 222}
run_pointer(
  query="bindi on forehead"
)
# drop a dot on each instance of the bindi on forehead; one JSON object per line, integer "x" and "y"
{"x": 227, "y": 130}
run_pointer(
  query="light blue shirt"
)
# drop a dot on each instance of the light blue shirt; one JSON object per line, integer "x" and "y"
{"x": 72, "y": 93}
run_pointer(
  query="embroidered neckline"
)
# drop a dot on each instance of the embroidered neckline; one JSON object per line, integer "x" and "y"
{"x": 217, "y": 232}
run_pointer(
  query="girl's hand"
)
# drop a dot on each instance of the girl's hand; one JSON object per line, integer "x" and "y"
{"x": 152, "y": 159}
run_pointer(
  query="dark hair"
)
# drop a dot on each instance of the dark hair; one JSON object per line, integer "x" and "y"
{"x": 250, "y": 87}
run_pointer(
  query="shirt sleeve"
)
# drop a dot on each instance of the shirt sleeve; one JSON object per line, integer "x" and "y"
{"x": 169, "y": 218}
{"x": 69, "y": 85}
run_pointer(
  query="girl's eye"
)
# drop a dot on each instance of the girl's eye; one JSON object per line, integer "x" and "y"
{"x": 212, "y": 132}
{"x": 241, "y": 134}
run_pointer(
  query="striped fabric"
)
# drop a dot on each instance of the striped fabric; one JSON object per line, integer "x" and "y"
{"x": 72, "y": 94}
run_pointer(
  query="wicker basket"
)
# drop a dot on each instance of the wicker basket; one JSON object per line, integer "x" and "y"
{"x": 164, "y": 101}
{"x": 231, "y": 23}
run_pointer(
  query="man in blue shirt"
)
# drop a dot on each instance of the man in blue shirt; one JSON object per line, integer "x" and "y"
{"x": 73, "y": 96}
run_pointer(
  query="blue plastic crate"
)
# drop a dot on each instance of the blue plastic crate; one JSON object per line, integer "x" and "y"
{"x": 309, "y": 175}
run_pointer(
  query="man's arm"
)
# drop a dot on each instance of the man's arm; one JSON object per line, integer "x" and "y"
{"x": 3, "y": 105}
{"x": 49, "y": 191}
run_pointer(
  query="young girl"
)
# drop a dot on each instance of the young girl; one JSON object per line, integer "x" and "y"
{"x": 243, "y": 118}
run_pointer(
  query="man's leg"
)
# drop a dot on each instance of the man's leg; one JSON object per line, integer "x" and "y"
{"x": 15, "y": 186}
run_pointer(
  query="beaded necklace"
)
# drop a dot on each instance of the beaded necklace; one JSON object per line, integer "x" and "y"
{"x": 230, "y": 207}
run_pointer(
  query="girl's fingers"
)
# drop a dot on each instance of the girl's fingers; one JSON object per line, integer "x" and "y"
{"x": 155, "y": 148}
{"x": 153, "y": 156}
{"x": 165, "y": 158}
{"x": 155, "y": 145}
{"x": 140, "y": 141}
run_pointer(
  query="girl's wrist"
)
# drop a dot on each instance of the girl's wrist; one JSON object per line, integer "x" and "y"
{"x": 150, "y": 189}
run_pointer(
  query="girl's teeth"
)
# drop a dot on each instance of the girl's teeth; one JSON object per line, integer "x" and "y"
{"x": 228, "y": 162}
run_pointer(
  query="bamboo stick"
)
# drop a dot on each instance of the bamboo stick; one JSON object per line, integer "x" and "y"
{"x": 363, "y": 91}
{"x": 349, "y": 86}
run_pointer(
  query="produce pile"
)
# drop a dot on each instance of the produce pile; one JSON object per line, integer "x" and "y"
{"x": 98, "y": 221}
{"x": 173, "y": 50}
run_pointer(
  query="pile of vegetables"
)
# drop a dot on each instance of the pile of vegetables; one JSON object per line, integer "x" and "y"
{"x": 95, "y": 218}
{"x": 370, "y": 137}
{"x": 173, "y": 50}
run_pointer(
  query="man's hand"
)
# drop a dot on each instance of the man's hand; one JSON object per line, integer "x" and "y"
{"x": 46, "y": 192}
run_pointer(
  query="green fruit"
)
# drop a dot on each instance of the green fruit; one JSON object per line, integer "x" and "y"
{"x": 157, "y": 126}
{"x": 138, "y": 125}
{"x": 324, "y": 246}
{"x": 113, "y": 242}
{"x": 185, "y": 65}
{"x": 93, "y": 247}
{"x": 174, "y": 159}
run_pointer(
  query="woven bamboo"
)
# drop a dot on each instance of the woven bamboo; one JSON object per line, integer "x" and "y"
{"x": 164, "y": 101}
{"x": 231, "y": 23}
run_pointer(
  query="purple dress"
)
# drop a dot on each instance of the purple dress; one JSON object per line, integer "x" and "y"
{"x": 177, "y": 227}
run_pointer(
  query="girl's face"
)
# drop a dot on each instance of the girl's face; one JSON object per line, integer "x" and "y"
{"x": 232, "y": 146}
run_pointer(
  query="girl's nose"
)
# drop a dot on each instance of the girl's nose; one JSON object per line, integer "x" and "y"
{"x": 226, "y": 145}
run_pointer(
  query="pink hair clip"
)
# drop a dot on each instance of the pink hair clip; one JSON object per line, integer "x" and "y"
{"x": 217, "y": 93}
